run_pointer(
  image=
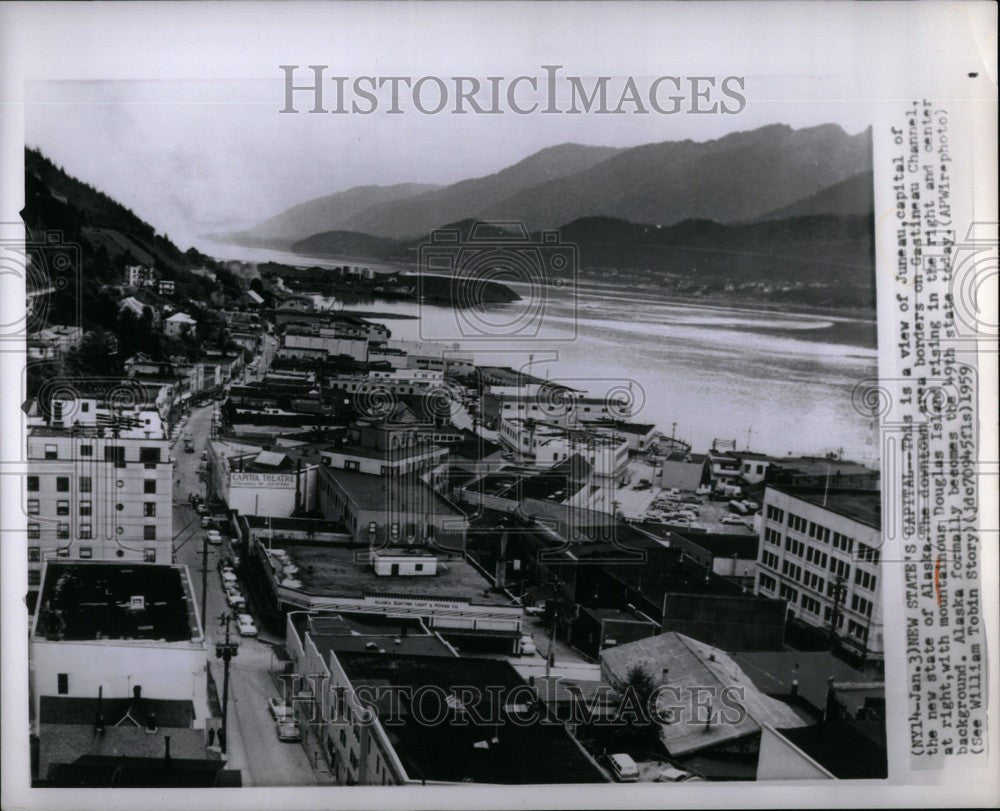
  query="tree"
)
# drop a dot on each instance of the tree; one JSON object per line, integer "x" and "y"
{"x": 639, "y": 726}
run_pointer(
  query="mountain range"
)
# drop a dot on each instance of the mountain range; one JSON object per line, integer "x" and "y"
{"x": 764, "y": 173}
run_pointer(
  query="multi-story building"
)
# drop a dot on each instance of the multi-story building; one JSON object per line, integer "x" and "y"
{"x": 98, "y": 485}
{"x": 306, "y": 341}
{"x": 121, "y": 630}
{"x": 140, "y": 276}
{"x": 820, "y": 552}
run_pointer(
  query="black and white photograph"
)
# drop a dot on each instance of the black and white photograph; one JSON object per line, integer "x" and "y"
{"x": 396, "y": 396}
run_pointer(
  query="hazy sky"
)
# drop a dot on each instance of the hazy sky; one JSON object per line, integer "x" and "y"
{"x": 183, "y": 126}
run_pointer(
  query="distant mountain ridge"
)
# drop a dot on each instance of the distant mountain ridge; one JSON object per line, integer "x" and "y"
{"x": 740, "y": 177}
{"x": 329, "y": 213}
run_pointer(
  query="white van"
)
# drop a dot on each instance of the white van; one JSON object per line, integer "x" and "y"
{"x": 624, "y": 768}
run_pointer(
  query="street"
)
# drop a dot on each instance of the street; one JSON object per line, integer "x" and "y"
{"x": 252, "y": 739}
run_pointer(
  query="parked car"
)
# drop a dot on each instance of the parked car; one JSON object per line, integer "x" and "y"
{"x": 668, "y": 774}
{"x": 245, "y": 624}
{"x": 279, "y": 709}
{"x": 733, "y": 519}
{"x": 201, "y": 509}
{"x": 228, "y": 576}
{"x": 534, "y": 610}
{"x": 235, "y": 598}
{"x": 623, "y": 768}
{"x": 528, "y": 645}
{"x": 288, "y": 729}
{"x": 204, "y": 456}
{"x": 214, "y": 537}
{"x": 206, "y": 522}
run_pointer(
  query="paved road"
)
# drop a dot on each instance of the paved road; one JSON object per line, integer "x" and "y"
{"x": 253, "y": 742}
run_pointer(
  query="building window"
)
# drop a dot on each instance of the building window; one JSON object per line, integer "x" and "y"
{"x": 34, "y": 577}
{"x": 34, "y": 530}
{"x": 86, "y": 532}
{"x": 149, "y": 532}
{"x": 149, "y": 486}
{"x": 62, "y": 684}
{"x": 86, "y": 553}
{"x": 351, "y": 464}
{"x": 62, "y": 484}
{"x": 34, "y": 554}
{"x": 86, "y": 508}
{"x": 32, "y": 484}
{"x": 149, "y": 509}
{"x": 33, "y": 506}
{"x": 86, "y": 450}
{"x": 51, "y": 451}
{"x": 62, "y": 531}
{"x": 150, "y": 457}
{"x": 86, "y": 484}
{"x": 62, "y": 508}
{"x": 116, "y": 454}
{"x": 418, "y": 567}
{"x": 149, "y": 555}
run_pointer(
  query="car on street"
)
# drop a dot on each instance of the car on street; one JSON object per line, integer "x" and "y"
{"x": 668, "y": 774}
{"x": 228, "y": 576}
{"x": 201, "y": 509}
{"x": 214, "y": 537}
{"x": 528, "y": 645}
{"x": 206, "y": 522}
{"x": 204, "y": 456}
{"x": 245, "y": 624}
{"x": 288, "y": 729}
{"x": 279, "y": 709}
{"x": 623, "y": 768}
{"x": 235, "y": 598}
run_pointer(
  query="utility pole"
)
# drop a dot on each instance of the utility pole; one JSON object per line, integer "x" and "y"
{"x": 839, "y": 593}
{"x": 204, "y": 576}
{"x": 225, "y": 651}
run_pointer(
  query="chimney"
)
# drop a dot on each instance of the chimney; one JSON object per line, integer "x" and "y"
{"x": 795, "y": 688}
{"x": 166, "y": 754}
{"x": 137, "y": 692}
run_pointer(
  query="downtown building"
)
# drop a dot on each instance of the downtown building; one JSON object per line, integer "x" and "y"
{"x": 820, "y": 553}
{"x": 98, "y": 486}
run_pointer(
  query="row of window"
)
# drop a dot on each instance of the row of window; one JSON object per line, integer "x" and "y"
{"x": 789, "y": 569}
{"x": 112, "y": 453}
{"x": 83, "y": 553}
{"x": 868, "y": 554}
{"x": 767, "y": 582}
{"x": 86, "y": 507}
{"x": 816, "y": 557}
{"x": 769, "y": 559}
{"x": 772, "y": 536}
{"x": 861, "y": 605}
{"x": 84, "y": 531}
{"x": 794, "y": 547}
{"x": 775, "y": 514}
{"x": 84, "y": 484}
{"x": 810, "y": 604}
{"x": 864, "y": 579}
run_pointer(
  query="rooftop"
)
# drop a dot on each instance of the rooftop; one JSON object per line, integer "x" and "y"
{"x": 686, "y": 663}
{"x": 467, "y": 750}
{"x": 96, "y": 600}
{"x": 72, "y": 710}
{"x": 849, "y": 750}
{"x": 863, "y": 506}
{"x": 369, "y": 633}
{"x": 774, "y": 671}
{"x": 403, "y": 494}
{"x": 343, "y": 570}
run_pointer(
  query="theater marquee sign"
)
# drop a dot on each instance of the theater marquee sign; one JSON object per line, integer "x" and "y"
{"x": 278, "y": 480}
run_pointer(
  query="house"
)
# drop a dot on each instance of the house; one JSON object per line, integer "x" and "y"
{"x": 177, "y": 325}
{"x": 131, "y": 742}
{"x": 140, "y": 276}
